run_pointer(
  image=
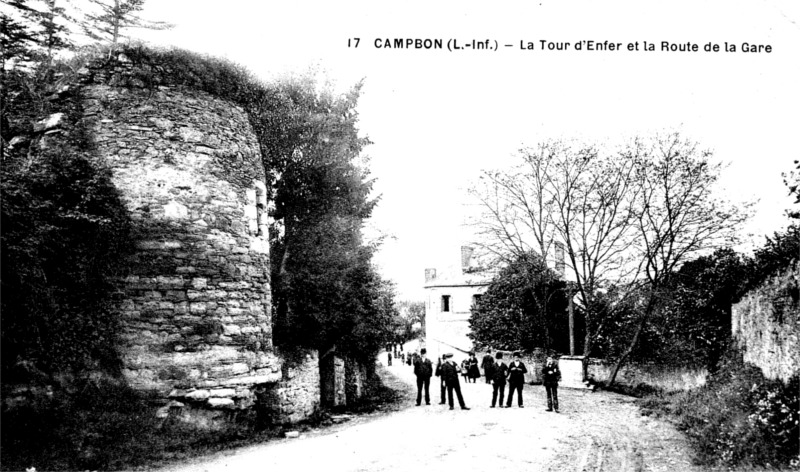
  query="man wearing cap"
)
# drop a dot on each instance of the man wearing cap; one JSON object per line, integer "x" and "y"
{"x": 516, "y": 379}
{"x": 551, "y": 375}
{"x": 450, "y": 375}
{"x": 423, "y": 369}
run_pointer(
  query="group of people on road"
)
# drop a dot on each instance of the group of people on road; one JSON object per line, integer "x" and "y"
{"x": 498, "y": 374}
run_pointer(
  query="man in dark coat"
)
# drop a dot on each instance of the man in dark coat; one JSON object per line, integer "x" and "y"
{"x": 423, "y": 369}
{"x": 516, "y": 379}
{"x": 486, "y": 364}
{"x": 551, "y": 375}
{"x": 450, "y": 372}
{"x": 498, "y": 374}
{"x": 442, "y": 385}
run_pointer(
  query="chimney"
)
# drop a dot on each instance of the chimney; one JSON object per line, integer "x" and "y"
{"x": 430, "y": 275}
{"x": 466, "y": 256}
{"x": 559, "y": 258}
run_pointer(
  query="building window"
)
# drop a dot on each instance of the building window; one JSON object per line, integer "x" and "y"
{"x": 475, "y": 299}
{"x": 445, "y": 303}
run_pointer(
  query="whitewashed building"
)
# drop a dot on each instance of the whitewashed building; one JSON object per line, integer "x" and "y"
{"x": 450, "y": 294}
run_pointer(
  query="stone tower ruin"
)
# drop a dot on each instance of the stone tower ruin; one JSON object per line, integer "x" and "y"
{"x": 196, "y": 305}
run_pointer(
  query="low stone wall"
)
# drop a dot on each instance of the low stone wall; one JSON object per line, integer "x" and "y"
{"x": 670, "y": 379}
{"x": 766, "y": 325}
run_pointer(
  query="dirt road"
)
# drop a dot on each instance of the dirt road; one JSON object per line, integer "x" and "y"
{"x": 594, "y": 432}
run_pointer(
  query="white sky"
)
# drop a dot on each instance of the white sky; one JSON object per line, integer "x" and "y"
{"x": 438, "y": 117}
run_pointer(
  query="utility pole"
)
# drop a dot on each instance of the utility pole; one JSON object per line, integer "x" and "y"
{"x": 560, "y": 269}
{"x": 571, "y": 321}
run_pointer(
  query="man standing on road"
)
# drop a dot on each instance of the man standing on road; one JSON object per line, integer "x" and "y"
{"x": 450, "y": 375}
{"x": 499, "y": 372}
{"x": 486, "y": 364}
{"x": 551, "y": 375}
{"x": 442, "y": 385}
{"x": 423, "y": 369}
{"x": 516, "y": 379}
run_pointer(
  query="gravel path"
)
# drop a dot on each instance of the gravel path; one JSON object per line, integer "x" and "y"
{"x": 594, "y": 432}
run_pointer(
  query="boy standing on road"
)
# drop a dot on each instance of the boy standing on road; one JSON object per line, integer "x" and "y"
{"x": 516, "y": 379}
{"x": 423, "y": 370}
{"x": 498, "y": 373}
{"x": 450, "y": 374}
{"x": 551, "y": 375}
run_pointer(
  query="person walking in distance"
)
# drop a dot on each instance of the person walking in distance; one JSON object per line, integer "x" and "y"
{"x": 474, "y": 372}
{"x": 486, "y": 364}
{"x": 450, "y": 371}
{"x": 423, "y": 369}
{"x": 516, "y": 379}
{"x": 442, "y": 385}
{"x": 551, "y": 375}
{"x": 499, "y": 370}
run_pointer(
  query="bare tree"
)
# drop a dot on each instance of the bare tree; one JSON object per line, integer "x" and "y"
{"x": 627, "y": 221}
{"x": 562, "y": 193}
{"x": 676, "y": 216}
{"x": 593, "y": 220}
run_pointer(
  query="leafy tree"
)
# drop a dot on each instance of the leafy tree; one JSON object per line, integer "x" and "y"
{"x": 326, "y": 291}
{"x": 65, "y": 231}
{"x": 792, "y": 182}
{"x": 112, "y": 17}
{"x": 694, "y": 325}
{"x": 409, "y": 315}
{"x": 510, "y": 314}
{"x": 779, "y": 251}
{"x": 16, "y": 38}
{"x": 40, "y": 28}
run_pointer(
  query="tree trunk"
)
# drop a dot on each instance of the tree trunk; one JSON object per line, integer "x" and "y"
{"x": 587, "y": 348}
{"x": 571, "y": 323}
{"x": 117, "y": 20}
{"x": 621, "y": 361}
{"x": 634, "y": 341}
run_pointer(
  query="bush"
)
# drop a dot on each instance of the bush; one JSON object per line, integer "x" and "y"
{"x": 92, "y": 424}
{"x": 65, "y": 236}
{"x": 525, "y": 306}
{"x": 738, "y": 418}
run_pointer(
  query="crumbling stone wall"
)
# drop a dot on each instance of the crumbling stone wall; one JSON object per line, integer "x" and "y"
{"x": 766, "y": 325}
{"x": 355, "y": 379}
{"x": 332, "y": 376}
{"x": 297, "y": 395}
{"x": 343, "y": 380}
{"x": 196, "y": 305}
